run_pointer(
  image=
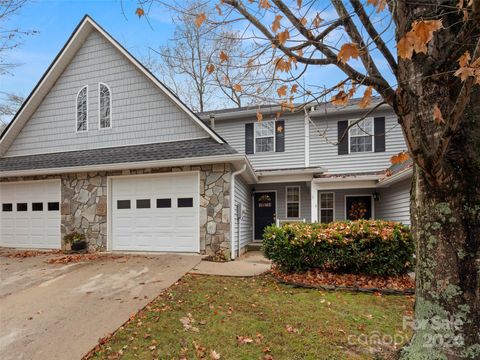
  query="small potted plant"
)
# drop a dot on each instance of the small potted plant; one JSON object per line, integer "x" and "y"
{"x": 77, "y": 241}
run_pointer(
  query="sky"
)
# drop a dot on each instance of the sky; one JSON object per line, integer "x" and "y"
{"x": 55, "y": 20}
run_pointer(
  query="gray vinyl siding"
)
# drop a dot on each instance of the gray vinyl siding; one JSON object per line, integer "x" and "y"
{"x": 324, "y": 152}
{"x": 281, "y": 189}
{"x": 233, "y": 131}
{"x": 141, "y": 113}
{"x": 243, "y": 195}
{"x": 394, "y": 203}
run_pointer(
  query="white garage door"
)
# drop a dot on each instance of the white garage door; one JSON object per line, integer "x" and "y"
{"x": 156, "y": 213}
{"x": 30, "y": 214}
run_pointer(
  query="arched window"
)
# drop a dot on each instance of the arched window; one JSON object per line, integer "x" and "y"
{"x": 82, "y": 110}
{"x": 105, "y": 103}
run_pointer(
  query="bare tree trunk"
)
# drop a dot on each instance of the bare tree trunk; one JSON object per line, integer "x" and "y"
{"x": 446, "y": 228}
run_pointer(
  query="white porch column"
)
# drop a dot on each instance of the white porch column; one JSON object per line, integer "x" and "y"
{"x": 314, "y": 201}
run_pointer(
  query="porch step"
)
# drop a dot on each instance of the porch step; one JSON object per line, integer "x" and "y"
{"x": 254, "y": 246}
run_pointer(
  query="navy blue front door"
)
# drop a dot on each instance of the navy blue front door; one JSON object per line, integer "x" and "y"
{"x": 264, "y": 212}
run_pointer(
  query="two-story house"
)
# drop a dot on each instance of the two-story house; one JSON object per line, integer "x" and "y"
{"x": 311, "y": 166}
{"x": 102, "y": 147}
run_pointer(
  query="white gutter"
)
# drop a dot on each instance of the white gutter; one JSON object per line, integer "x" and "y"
{"x": 307, "y": 138}
{"x": 346, "y": 178}
{"x": 405, "y": 174}
{"x": 299, "y": 171}
{"x": 129, "y": 165}
{"x": 232, "y": 212}
{"x": 235, "y": 113}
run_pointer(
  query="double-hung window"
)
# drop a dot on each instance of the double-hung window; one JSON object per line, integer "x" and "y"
{"x": 326, "y": 207}
{"x": 360, "y": 136}
{"x": 293, "y": 201}
{"x": 265, "y": 136}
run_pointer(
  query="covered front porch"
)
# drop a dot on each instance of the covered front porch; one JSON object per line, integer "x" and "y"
{"x": 330, "y": 198}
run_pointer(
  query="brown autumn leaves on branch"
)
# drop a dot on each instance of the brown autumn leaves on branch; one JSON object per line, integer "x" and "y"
{"x": 414, "y": 41}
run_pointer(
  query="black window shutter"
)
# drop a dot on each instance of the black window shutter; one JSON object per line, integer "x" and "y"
{"x": 342, "y": 137}
{"x": 280, "y": 136}
{"x": 379, "y": 129}
{"x": 249, "y": 149}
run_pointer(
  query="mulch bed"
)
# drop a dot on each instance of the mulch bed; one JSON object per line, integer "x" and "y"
{"x": 215, "y": 258}
{"x": 320, "y": 279}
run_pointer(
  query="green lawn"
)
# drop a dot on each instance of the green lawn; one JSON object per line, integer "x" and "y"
{"x": 283, "y": 322}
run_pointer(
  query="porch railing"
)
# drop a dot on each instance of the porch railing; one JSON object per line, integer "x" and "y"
{"x": 285, "y": 221}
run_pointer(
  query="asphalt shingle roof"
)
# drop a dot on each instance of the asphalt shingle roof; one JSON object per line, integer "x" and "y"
{"x": 116, "y": 155}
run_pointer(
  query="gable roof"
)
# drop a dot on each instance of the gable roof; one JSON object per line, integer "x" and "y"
{"x": 59, "y": 64}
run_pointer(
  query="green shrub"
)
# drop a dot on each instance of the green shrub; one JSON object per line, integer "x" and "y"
{"x": 74, "y": 237}
{"x": 359, "y": 247}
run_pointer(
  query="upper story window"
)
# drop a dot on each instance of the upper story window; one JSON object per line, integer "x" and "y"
{"x": 105, "y": 104}
{"x": 360, "y": 136}
{"x": 82, "y": 110}
{"x": 265, "y": 136}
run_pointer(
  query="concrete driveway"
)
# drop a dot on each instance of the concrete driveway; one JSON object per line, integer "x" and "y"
{"x": 52, "y": 311}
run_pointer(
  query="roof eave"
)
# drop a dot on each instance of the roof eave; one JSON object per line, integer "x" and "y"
{"x": 274, "y": 109}
{"x": 231, "y": 158}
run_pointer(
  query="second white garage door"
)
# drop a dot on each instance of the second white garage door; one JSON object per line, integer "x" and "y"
{"x": 156, "y": 213}
{"x": 30, "y": 214}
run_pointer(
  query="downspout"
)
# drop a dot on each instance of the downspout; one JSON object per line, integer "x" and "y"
{"x": 232, "y": 210}
{"x": 306, "y": 125}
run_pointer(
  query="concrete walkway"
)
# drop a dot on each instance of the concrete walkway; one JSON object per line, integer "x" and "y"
{"x": 249, "y": 264}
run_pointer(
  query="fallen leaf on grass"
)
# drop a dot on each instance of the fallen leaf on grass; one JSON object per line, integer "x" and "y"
{"x": 242, "y": 340}
{"x": 187, "y": 323}
{"x": 214, "y": 355}
{"x": 199, "y": 350}
{"x": 291, "y": 329}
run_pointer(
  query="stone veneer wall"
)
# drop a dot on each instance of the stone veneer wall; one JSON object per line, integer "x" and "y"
{"x": 84, "y": 204}
{"x": 84, "y": 207}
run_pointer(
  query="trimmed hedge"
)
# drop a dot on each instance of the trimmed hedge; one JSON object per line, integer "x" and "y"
{"x": 359, "y": 247}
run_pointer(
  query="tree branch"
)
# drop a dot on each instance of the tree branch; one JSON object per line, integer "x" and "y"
{"x": 356, "y": 37}
{"x": 372, "y": 32}
{"x": 377, "y": 82}
{"x": 454, "y": 118}
{"x": 287, "y": 51}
